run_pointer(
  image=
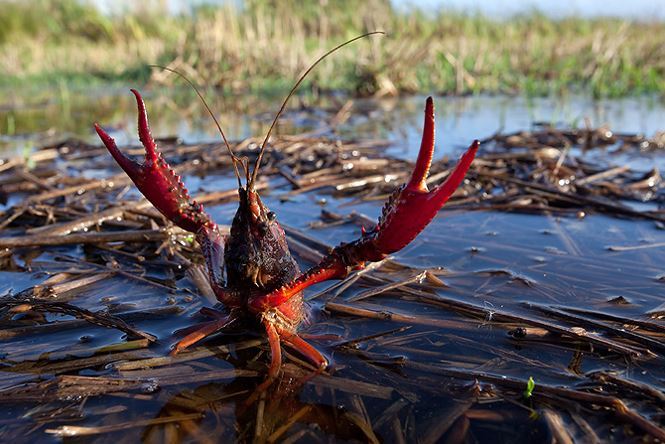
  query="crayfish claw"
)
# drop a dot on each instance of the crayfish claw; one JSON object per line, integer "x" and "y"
{"x": 420, "y": 172}
{"x": 406, "y": 213}
{"x": 131, "y": 167}
{"x": 145, "y": 137}
{"x": 412, "y": 207}
{"x": 156, "y": 179}
{"x": 442, "y": 192}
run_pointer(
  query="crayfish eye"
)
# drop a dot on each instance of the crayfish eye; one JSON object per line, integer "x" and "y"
{"x": 272, "y": 216}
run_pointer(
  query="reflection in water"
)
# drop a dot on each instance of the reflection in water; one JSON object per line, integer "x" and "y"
{"x": 279, "y": 413}
{"x": 218, "y": 412}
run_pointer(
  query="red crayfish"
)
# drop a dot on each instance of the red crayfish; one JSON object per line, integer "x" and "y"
{"x": 251, "y": 270}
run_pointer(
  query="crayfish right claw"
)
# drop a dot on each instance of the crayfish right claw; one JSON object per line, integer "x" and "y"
{"x": 406, "y": 213}
{"x": 156, "y": 179}
{"x": 412, "y": 207}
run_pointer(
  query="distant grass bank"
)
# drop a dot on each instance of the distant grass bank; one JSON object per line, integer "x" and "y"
{"x": 266, "y": 44}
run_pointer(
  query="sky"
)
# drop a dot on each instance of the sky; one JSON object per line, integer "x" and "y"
{"x": 635, "y": 9}
{"x": 638, "y": 9}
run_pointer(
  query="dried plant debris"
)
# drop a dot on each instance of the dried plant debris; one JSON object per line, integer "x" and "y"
{"x": 419, "y": 355}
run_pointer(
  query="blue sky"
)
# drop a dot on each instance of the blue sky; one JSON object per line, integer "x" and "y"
{"x": 634, "y": 9}
{"x": 642, "y": 9}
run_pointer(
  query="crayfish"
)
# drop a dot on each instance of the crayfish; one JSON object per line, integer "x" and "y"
{"x": 251, "y": 270}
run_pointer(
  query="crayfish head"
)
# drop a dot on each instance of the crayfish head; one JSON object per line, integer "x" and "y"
{"x": 257, "y": 256}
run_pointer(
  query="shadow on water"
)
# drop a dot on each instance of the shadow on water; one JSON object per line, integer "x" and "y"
{"x": 435, "y": 345}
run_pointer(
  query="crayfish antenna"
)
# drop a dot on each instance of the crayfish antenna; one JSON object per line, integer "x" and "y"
{"x": 257, "y": 164}
{"x": 234, "y": 158}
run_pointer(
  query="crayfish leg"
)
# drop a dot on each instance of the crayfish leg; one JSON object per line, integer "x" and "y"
{"x": 275, "y": 362}
{"x": 205, "y": 329}
{"x": 276, "y": 335}
{"x": 275, "y": 353}
{"x": 304, "y": 348}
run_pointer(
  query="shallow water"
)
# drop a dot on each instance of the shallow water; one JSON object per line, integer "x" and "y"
{"x": 179, "y": 113}
{"x": 453, "y": 365}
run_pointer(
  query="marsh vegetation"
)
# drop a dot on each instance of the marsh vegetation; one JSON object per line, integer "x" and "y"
{"x": 260, "y": 44}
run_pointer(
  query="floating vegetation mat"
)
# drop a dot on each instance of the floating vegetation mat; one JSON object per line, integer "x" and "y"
{"x": 530, "y": 311}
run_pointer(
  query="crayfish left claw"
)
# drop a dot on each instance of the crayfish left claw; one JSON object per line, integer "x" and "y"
{"x": 156, "y": 179}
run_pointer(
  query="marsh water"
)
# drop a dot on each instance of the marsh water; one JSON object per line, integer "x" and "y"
{"x": 449, "y": 368}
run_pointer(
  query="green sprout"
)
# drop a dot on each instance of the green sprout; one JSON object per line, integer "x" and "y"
{"x": 26, "y": 151}
{"x": 530, "y": 385}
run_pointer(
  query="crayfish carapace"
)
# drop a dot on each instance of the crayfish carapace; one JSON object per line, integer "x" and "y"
{"x": 263, "y": 282}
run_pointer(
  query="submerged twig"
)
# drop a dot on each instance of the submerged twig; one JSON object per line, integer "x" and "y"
{"x": 103, "y": 320}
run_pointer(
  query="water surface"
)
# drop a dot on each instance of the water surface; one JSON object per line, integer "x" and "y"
{"x": 459, "y": 361}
